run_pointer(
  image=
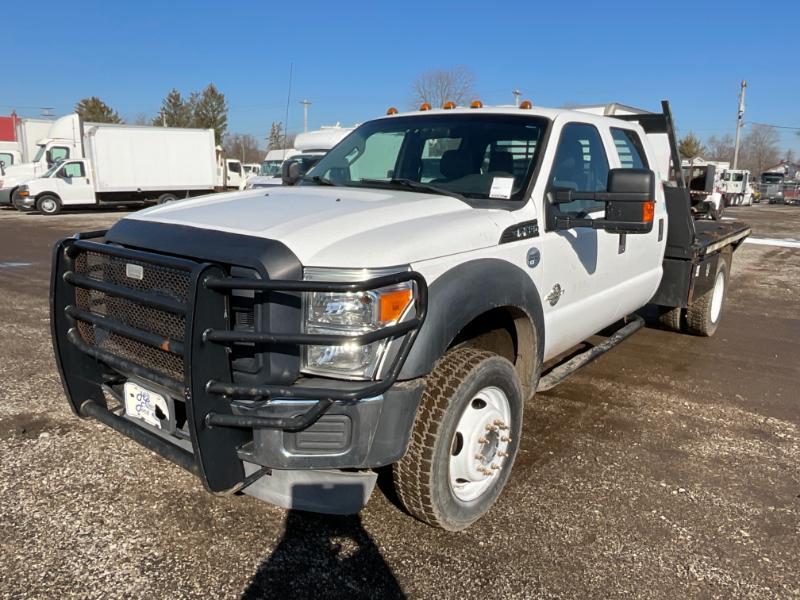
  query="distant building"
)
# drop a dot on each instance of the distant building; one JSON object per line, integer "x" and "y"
{"x": 790, "y": 170}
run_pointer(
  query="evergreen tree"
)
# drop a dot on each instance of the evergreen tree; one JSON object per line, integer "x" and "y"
{"x": 211, "y": 111}
{"x": 94, "y": 110}
{"x": 175, "y": 111}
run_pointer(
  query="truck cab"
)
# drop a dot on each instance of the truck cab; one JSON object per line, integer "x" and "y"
{"x": 63, "y": 142}
{"x": 66, "y": 182}
{"x": 397, "y": 307}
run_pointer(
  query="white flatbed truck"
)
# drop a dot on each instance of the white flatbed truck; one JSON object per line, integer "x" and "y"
{"x": 395, "y": 308}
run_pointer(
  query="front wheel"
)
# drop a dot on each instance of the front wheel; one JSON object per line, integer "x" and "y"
{"x": 464, "y": 441}
{"x": 48, "y": 205}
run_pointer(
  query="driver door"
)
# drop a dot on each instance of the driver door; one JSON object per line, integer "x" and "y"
{"x": 579, "y": 264}
{"x": 73, "y": 184}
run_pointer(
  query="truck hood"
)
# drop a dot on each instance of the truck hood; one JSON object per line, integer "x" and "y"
{"x": 16, "y": 174}
{"x": 342, "y": 227}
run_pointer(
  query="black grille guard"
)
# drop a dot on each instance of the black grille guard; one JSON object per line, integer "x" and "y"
{"x": 207, "y": 387}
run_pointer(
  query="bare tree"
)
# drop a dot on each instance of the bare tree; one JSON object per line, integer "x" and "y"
{"x": 720, "y": 148}
{"x": 760, "y": 148}
{"x": 243, "y": 146}
{"x": 438, "y": 86}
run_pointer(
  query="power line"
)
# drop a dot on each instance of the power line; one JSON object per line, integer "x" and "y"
{"x": 775, "y": 126}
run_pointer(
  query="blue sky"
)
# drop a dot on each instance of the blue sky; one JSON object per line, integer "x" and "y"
{"x": 354, "y": 59}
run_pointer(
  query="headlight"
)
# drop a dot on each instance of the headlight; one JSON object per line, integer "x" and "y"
{"x": 351, "y": 313}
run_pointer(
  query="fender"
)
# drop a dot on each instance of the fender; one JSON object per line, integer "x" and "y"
{"x": 462, "y": 294}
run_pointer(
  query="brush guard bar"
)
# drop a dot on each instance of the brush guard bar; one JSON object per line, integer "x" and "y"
{"x": 212, "y": 398}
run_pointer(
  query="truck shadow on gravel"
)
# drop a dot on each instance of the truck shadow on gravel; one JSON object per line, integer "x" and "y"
{"x": 324, "y": 556}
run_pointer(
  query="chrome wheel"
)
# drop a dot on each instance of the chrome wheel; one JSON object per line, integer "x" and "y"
{"x": 480, "y": 445}
{"x": 49, "y": 205}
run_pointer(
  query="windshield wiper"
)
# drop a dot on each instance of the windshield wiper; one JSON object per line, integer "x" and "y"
{"x": 319, "y": 180}
{"x": 414, "y": 185}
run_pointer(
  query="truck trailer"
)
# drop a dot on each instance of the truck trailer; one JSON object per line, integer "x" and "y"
{"x": 398, "y": 307}
{"x": 127, "y": 163}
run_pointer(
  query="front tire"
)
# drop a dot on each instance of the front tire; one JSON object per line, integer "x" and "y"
{"x": 164, "y": 198}
{"x": 464, "y": 441}
{"x": 704, "y": 315}
{"x": 48, "y": 205}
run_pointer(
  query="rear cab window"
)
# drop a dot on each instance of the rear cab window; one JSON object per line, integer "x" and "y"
{"x": 629, "y": 149}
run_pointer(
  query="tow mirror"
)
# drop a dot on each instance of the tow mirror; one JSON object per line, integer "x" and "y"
{"x": 290, "y": 172}
{"x": 630, "y": 203}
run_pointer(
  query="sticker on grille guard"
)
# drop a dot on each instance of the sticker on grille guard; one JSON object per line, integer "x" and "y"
{"x": 134, "y": 271}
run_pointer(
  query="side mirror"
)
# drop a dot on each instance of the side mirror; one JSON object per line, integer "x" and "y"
{"x": 630, "y": 203}
{"x": 291, "y": 172}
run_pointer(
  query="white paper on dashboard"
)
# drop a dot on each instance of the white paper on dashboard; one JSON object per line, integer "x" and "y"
{"x": 501, "y": 187}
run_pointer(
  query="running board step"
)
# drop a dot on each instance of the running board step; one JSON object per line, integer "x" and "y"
{"x": 561, "y": 371}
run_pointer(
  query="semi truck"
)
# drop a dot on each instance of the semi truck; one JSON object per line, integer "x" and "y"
{"x": 398, "y": 308}
{"x": 126, "y": 163}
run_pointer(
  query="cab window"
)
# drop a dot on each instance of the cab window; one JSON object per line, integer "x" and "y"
{"x": 7, "y": 159}
{"x": 580, "y": 165}
{"x": 57, "y": 154}
{"x": 235, "y": 167}
{"x": 72, "y": 170}
{"x": 629, "y": 149}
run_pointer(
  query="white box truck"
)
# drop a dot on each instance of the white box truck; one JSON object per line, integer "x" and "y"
{"x": 41, "y": 144}
{"x": 125, "y": 163}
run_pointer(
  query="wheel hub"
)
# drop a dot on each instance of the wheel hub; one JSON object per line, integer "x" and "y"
{"x": 480, "y": 446}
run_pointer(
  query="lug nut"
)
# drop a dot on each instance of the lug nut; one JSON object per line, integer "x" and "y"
{"x": 495, "y": 466}
{"x": 482, "y": 440}
{"x": 502, "y": 453}
{"x": 505, "y": 439}
{"x": 479, "y": 456}
{"x": 491, "y": 427}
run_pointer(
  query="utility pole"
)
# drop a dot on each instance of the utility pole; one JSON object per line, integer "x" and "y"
{"x": 739, "y": 123}
{"x": 517, "y": 94}
{"x": 306, "y": 103}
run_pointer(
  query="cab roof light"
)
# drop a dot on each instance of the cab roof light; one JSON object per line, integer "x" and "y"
{"x": 476, "y": 104}
{"x": 424, "y": 106}
{"x": 391, "y": 111}
{"x": 526, "y": 104}
{"x": 448, "y": 105}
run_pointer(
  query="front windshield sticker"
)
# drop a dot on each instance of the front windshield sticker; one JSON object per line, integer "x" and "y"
{"x": 501, "y": 187}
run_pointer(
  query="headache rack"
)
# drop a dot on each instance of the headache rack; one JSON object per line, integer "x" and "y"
{"x": 118, "y": 313}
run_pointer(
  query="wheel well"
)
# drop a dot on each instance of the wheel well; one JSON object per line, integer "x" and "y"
{"x": 509, "y": 332}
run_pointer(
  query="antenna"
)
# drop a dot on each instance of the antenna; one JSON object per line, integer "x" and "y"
{"x": 517, "y": 94}
{"x": 288, "y": 99}
{"x": 306, "y": 103}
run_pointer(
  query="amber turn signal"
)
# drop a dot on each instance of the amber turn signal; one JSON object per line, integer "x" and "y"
{"x": 648, "y": 211}
{"x": 394, "y": 303}
{"x": 476, "y": 104}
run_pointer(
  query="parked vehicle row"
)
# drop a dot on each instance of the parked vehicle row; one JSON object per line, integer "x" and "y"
{"x": 91, "y": 164}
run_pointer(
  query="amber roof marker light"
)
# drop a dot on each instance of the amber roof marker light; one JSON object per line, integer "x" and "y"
{"x": 476, "y": 104}
{"x": 526, "y": 104}
{"x": 424, "y": 106}
{"x": 391, "y": 111}
{"x": 448, "y": 105}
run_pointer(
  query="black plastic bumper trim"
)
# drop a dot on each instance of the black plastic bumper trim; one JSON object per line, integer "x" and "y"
{"x": 130, "y": 254}
{"x": 296, "y": 423}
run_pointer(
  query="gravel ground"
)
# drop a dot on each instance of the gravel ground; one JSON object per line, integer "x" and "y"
{"x": 667, "y": 468}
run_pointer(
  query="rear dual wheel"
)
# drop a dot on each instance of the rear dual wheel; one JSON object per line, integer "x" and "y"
{"x": 704, "y": 314}
{"x": 464, "y": 441}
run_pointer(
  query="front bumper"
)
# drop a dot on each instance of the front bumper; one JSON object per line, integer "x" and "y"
{"x": 5, "y": 197}
{"x": 233, "y": 434}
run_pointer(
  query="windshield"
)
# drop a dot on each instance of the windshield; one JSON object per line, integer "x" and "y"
{"x": 56, "y": 166}
{"x": 39, "y": 154}
{"x": 271, "y": 168}
{"x": 471, "y": 155}
{"x": 771, "y": 178}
